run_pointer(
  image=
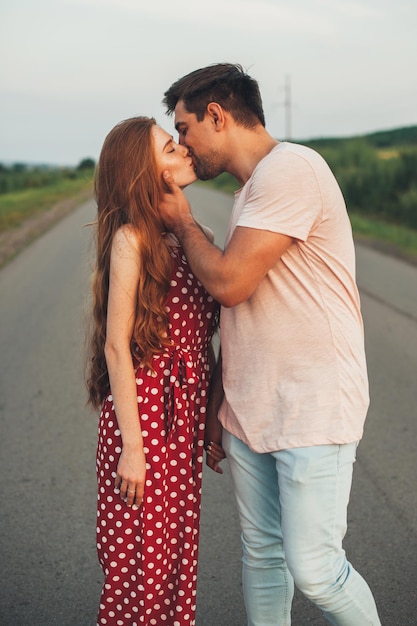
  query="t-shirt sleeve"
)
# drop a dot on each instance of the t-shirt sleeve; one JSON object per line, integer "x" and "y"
{"x": 283, "y": 196}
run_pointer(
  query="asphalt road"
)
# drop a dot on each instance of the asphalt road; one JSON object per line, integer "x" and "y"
{"x": 49, "y": 574}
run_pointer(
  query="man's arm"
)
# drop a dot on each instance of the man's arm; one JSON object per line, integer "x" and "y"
{"x": 230, "y": 276}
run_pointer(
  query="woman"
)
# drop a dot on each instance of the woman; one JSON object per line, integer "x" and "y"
{"x": 150, "y": 370}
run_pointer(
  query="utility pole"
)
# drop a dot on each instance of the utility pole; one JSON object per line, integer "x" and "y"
{"x": 288, "y": 107}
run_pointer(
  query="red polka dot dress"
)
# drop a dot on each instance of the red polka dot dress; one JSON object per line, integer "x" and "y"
{"x": 149, "y": 553}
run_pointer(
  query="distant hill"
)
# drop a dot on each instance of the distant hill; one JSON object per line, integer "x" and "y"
{"x": 396, "y": 138}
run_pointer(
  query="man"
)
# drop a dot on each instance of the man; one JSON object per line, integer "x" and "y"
{"x": 294, "y": 369}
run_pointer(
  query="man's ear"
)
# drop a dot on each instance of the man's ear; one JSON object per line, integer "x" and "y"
{"x": 216, "y": 113}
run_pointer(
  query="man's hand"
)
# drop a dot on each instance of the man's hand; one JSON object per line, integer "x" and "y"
{"x": 215, "y": 454}
{"x": 214, "y": 430}
{"x": 173, "y": 205}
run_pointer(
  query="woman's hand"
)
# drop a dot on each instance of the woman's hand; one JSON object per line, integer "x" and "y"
{"x": 130, "y": 478}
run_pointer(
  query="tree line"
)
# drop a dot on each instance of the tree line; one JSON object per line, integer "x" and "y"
{"x": 21, "y": 176}
{"x": 377, "y": 173}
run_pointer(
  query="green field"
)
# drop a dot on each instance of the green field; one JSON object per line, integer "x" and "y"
{"x": 378, "y": 177}
{"x": 17, "y": 206}
{"x": 377, "y": 174}
{"x": 396, "y": 240}
{"x": 400, "y": 241}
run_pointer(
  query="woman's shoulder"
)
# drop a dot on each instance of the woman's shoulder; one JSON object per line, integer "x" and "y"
{"x": 208, "y": 232}
{"x": 126, "y": 240}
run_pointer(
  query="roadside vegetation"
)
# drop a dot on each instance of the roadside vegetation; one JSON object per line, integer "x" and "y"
{"x": 377, "y": 174}
{"x": 26, "y": 190}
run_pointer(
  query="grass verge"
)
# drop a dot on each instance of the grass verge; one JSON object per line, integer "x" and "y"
{"x": 392, "y": 239}
{"x": 17, "y": 206}
{"x": 398, "y": 241}
{"x": 24, "y": 215}
{"x": 28, "y": 214}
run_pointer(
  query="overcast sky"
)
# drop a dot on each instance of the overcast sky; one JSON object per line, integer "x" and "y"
{"x": 71, "y": 69}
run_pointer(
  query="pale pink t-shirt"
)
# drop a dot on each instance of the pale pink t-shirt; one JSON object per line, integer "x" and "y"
{"x": 294, "y": 368}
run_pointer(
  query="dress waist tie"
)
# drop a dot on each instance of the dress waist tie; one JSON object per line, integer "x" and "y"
{"x": 182, "y": 374}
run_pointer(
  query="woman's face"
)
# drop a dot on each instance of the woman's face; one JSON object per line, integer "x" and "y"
{"x": 173, "y": 157}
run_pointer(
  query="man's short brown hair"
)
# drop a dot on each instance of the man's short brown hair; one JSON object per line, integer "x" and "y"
{"x": 224, "y": 83}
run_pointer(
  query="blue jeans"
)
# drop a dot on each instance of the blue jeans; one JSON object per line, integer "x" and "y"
{"x": 293, "y": 513}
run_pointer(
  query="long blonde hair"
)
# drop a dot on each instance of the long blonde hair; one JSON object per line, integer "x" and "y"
{"x": 127, "y": 189}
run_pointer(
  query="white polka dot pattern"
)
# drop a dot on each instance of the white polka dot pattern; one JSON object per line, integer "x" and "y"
{"x": 149, "y": 555}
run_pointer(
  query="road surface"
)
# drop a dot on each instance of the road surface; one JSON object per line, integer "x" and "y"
{"x": 49, "y": 574}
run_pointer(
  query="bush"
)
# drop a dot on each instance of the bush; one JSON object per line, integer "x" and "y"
{"x": 20, "y": 176}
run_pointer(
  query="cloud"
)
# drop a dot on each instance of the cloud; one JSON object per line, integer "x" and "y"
{"x": 352, "y": 9}
{"x": 260, "y": 16}
{"x": 73, "y": 68}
